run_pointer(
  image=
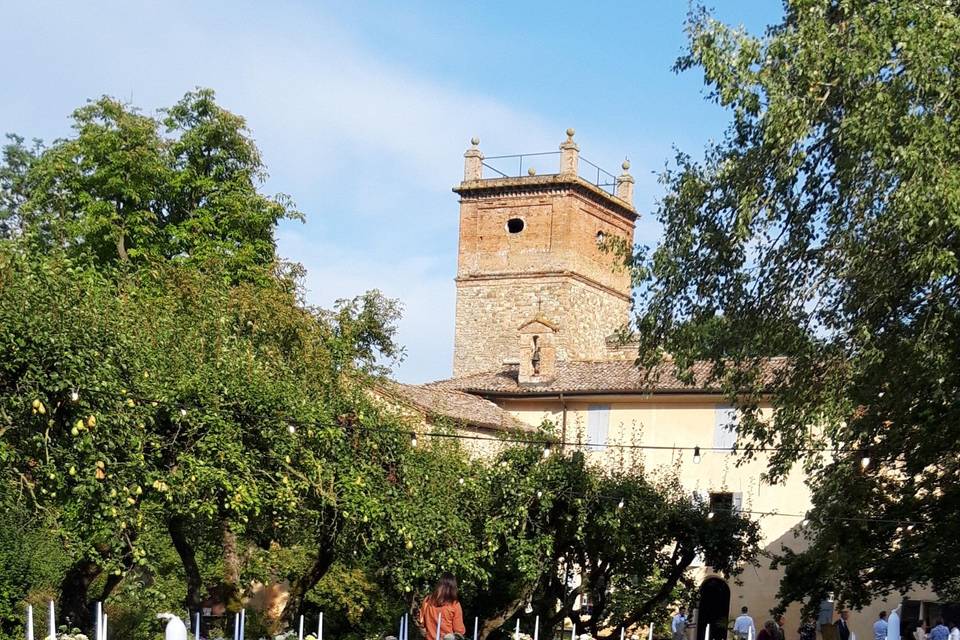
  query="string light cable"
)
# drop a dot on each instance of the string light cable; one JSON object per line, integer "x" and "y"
{"x": 548, "y": 444}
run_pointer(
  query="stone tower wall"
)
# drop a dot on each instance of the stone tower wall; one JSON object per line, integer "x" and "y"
{"x": 553, "y": 269}
{"x": 489, "y": 313}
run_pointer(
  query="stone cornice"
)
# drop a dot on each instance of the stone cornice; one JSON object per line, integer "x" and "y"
{"x": 543, "y": 185}
{"x": 526, "y": 275}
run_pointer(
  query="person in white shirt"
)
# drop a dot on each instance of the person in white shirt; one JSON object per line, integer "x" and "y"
{"x": 880, "y": 627}
{"x": 678, "y": 626}
{"x": 954, "y": 631}
{"x": 743, "y": 627}
{"x": 893, "y": 624}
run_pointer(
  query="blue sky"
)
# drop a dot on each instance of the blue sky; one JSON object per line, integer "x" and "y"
{"x": 363, "y": 111}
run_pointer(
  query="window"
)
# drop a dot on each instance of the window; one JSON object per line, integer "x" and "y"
{"x": 598, "y": 425}
{"x": 586, "y": 604}
{"x": 724, "y": 427}
{"x": 515, "y": 225}
{"x": 726, "y": 502}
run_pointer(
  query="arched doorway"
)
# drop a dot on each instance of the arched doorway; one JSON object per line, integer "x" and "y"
{"x": 714, "y": 609}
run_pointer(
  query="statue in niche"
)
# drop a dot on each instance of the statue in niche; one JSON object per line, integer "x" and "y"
{"x": 535, "y": 359}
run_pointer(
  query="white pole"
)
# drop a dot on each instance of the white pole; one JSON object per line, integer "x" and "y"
{"x": 98, "y": 622}
{"x": 406, "y": 626}
{"x": 476, "y": 627}
{"x": 243, "y": 623}
{"x": 320, "y": 627}
{"x": 300, "y": 633}
{"x": 516, "y": 634}
{"x": 536, "y": 629}
{"x": 236, "y": 626}
{"x": 103, "y": 628}
{"x": 52, "y": 620}
{"x": 573, "y": 632}
{"x": 706, "y": 632}
{"x": 30, "y": 622}
{"x": 621, "y": 633}
{"x": 198, "y": 625}
{"x": 651, "y": 630}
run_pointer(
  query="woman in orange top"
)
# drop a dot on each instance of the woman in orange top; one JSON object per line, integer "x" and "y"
{"x": 442, "y": 604}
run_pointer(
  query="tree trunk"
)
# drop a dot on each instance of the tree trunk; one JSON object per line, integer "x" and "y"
{"x": 176, "y": 527}
{"x": 231, "y": 569}
{"x": 74, "y": 594}
{"x": 499, "y": 618}
{"x": 302, "y": 584}
{"x": 681, "y": 560}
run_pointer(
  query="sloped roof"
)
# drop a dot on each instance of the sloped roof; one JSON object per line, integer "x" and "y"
{"x": 590, "y": 377}
{"x": 462, "y": 408}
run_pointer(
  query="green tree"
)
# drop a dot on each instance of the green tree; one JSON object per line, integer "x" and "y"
{"x": 32, "y": 558}
{"x": 824, "y": 228}
{"x": 15, "y": 164}
{"x": 624, "y": 542}
{"x": 129, "y": 186}
{"x": 227, "y": 415}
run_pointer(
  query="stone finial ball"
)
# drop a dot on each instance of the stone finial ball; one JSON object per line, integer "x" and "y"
{"x": 531, "y": 171}
{"x": 626, "y": 165}
{"x": 571, "y": 132}
{"x": 474, "y": 140}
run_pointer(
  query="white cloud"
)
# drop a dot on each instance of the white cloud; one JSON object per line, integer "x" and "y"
{"x": 367, "y": 148}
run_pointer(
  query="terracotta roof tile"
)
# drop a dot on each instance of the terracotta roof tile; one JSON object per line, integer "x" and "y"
{"x": 593, "y": 377}
{"x": 455, "y": 405}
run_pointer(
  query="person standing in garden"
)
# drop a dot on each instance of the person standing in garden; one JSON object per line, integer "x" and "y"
{"x": 678, "y": 625}
{"x": 769, "y": 631}
{"x": 843, "y": 628}
{"x": 808, "y": 630}
{"x": 880, "y": 627}
{"x": 939, "y": 631}
{"x": 443, "y": 605}
{"x": 743, "y": 628}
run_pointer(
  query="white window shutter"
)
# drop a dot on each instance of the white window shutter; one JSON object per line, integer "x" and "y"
{"x": 724, "y": 427}
{"x": 737, "y": 503}
{"x": 598, "y": 426}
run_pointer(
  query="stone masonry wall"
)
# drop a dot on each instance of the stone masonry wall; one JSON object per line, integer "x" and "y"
{"x": 553, "y": 268}
{"x": 489, "y": 313}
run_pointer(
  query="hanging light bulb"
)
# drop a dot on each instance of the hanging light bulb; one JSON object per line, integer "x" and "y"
{"x": 546, "y": 450}
{"x": 183, "y": 412}
{"x": 74, "y": 395}
{"x": 528, "y": 608}
{"x": 696, "y": 455}
{"x": 539, "y": 493}
{"x": 710, "y": 515}
{"x": 620, "y": 505}
{"x": 805, "y": 522}
{"x": 865, "y": 461}
{"x": 292, "y": 429}
{"x": 413, "y": 440}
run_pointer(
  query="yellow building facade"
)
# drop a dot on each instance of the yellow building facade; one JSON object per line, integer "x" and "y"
{"x": 540, "y": 303}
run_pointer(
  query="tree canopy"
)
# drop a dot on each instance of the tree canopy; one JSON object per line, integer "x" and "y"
{"x": 177, "y": 425}
{"x": 128, "y": 186}
{"x": 825, "y": 227}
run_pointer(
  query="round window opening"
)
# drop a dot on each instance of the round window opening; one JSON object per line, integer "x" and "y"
{"x": 515, "y": 225}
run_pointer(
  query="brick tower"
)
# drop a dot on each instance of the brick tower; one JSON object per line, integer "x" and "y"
{"x": 532, "y": 280}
